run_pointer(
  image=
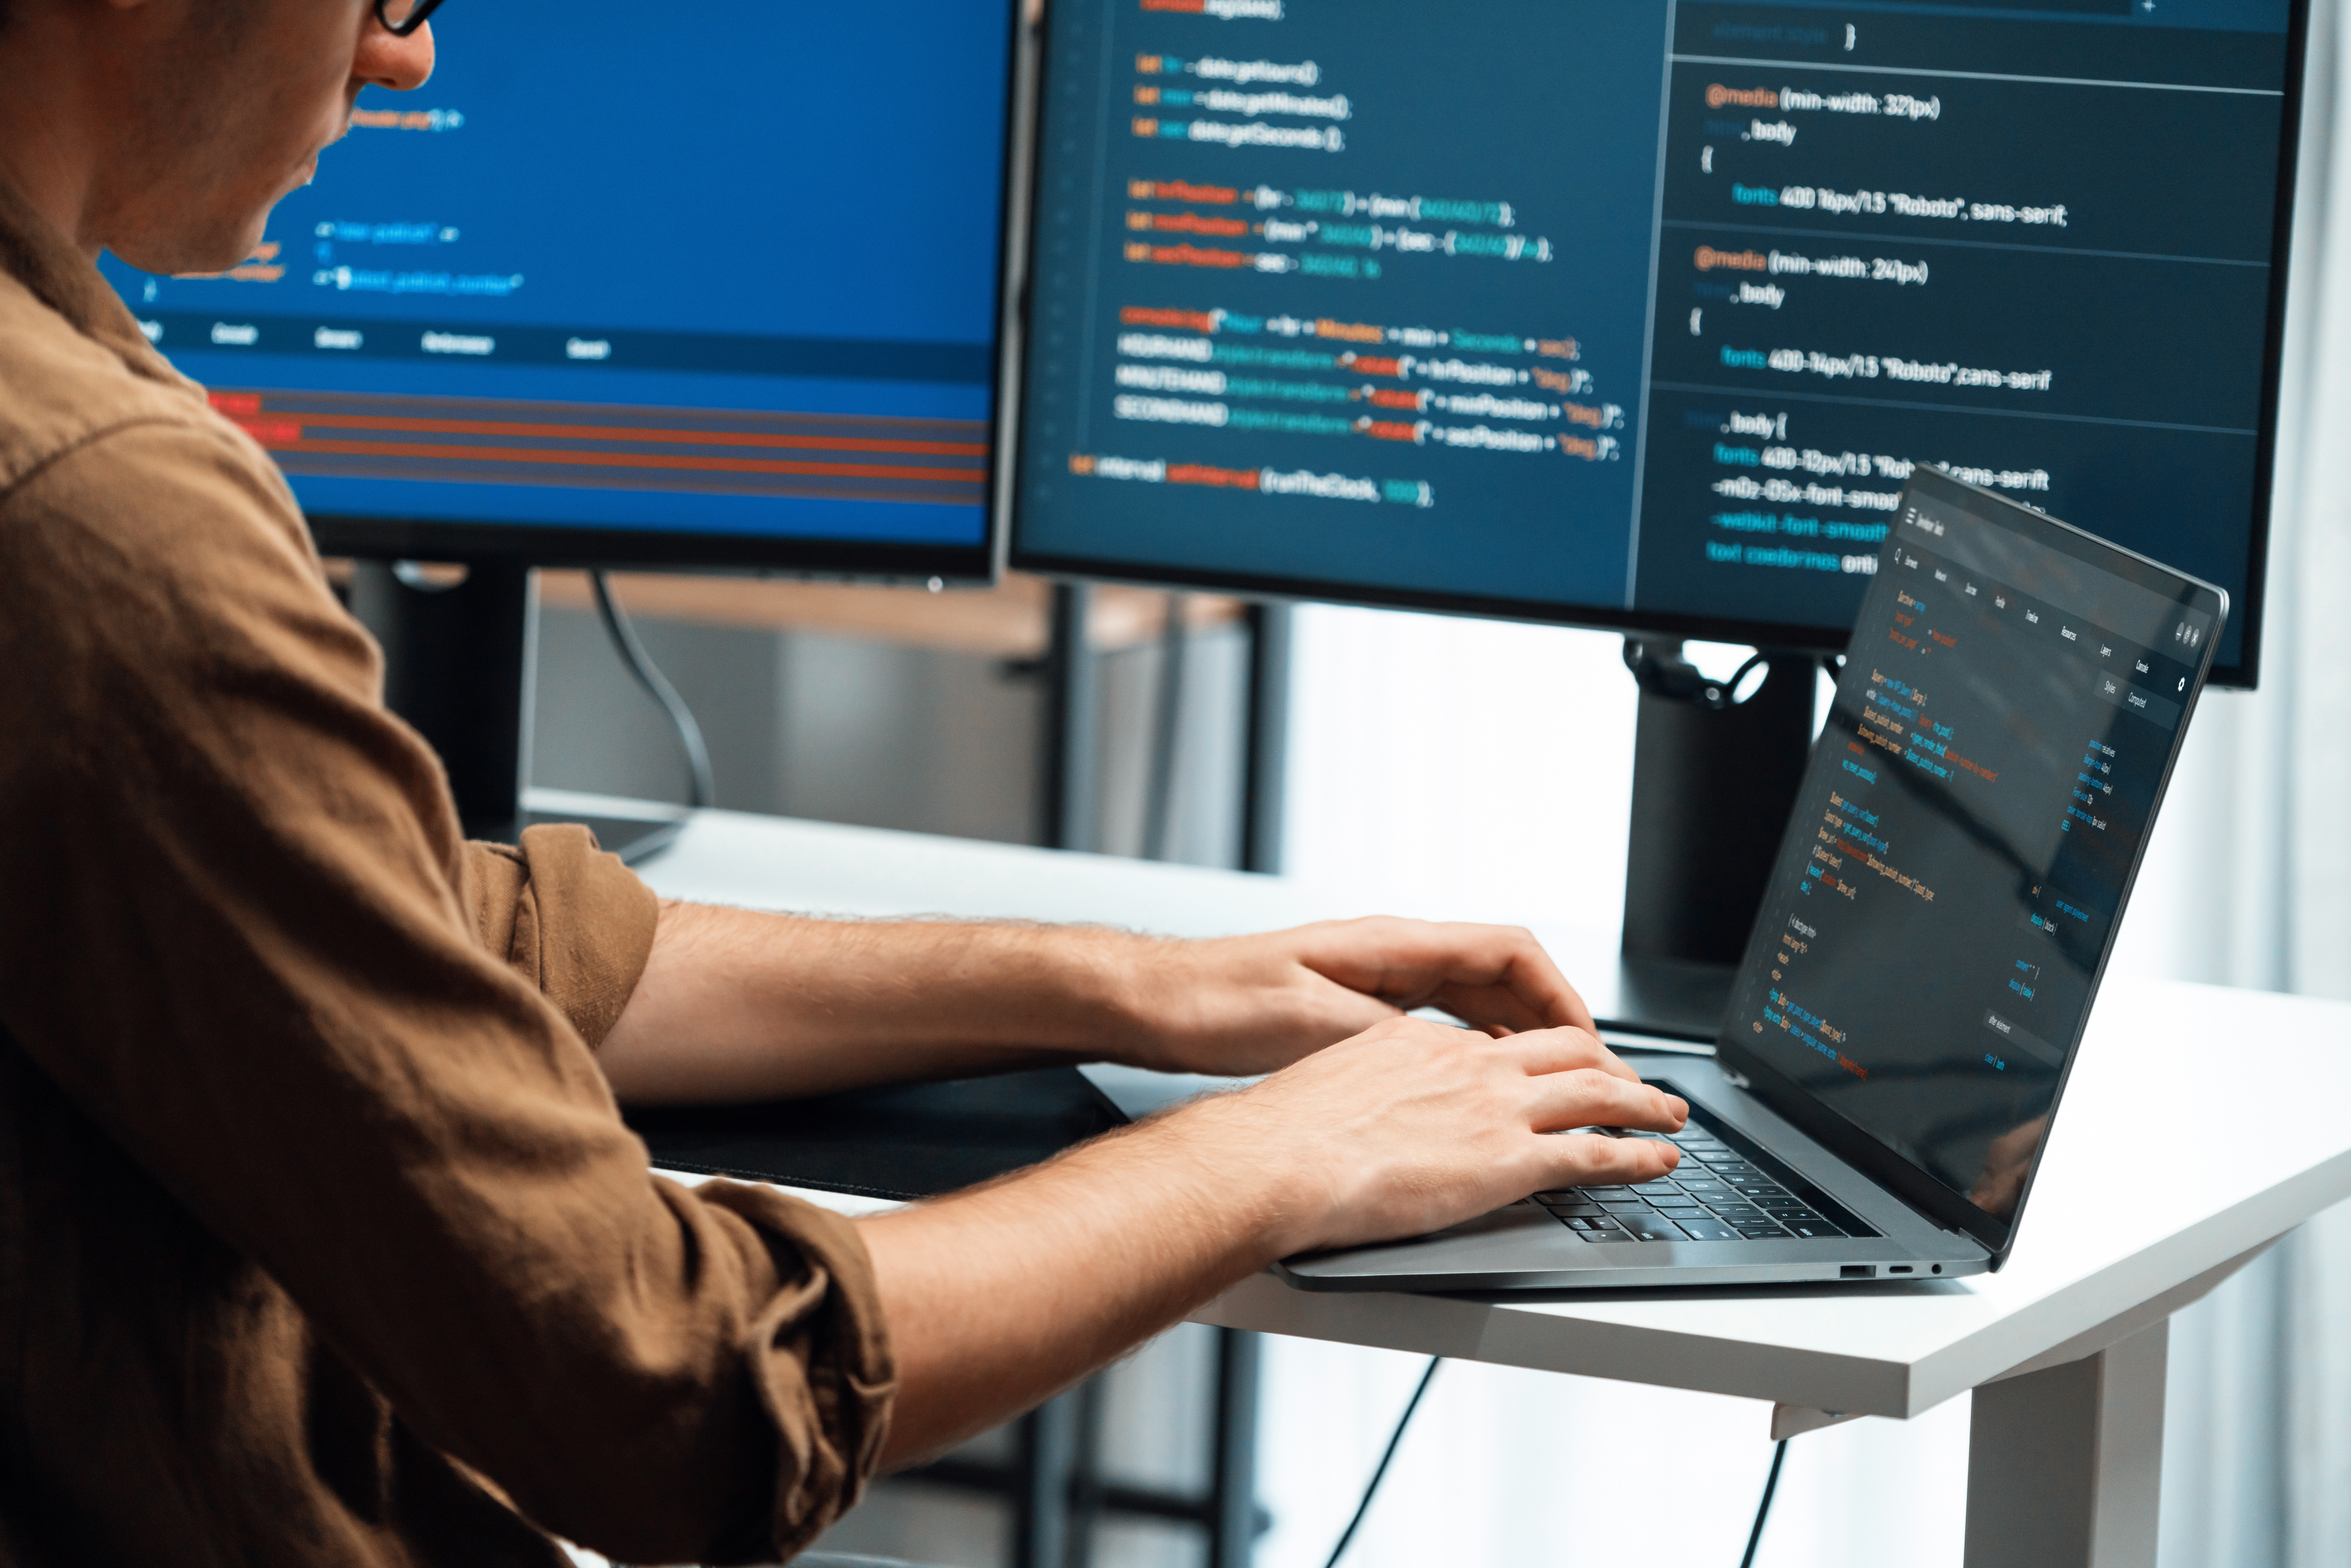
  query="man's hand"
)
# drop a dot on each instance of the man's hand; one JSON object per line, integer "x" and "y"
{"x": 998, "y": 1297}
{"x": 1244, "y": 1005}
{"x": 1412, "y": 1127}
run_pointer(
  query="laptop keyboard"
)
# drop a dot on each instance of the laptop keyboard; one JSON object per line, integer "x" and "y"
{"x": 1717, "y": 1194}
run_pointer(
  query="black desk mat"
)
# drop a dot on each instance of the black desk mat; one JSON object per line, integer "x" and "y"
{"x": 915, "y": 1141}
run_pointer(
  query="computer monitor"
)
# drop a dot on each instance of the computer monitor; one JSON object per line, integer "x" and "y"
{"x": 1632, "y": 313}
{"x": 716, "y": 287}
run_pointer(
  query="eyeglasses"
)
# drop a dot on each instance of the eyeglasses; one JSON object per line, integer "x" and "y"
{"x": 402, "y": 17}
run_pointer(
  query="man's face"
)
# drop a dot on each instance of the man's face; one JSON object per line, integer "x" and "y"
{"x": 223, "y": 106}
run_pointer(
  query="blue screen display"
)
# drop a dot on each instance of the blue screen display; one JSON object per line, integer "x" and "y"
{"x": 729, "y": 273}
{"x": 1636, "y": 312}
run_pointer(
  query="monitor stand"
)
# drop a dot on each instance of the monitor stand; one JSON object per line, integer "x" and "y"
{"x": 1713, "y": 786}
{"x": 458, "y": 654}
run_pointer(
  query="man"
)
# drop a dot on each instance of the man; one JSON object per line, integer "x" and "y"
{"x": 320, "y": 1240}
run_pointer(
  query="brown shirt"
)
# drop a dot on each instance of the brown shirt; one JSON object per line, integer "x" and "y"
{"x": 320, "y": 1241}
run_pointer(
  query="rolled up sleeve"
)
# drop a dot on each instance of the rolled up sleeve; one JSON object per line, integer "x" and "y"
{"x": 359, "y": 1052}
{"x": 568, "y": 918}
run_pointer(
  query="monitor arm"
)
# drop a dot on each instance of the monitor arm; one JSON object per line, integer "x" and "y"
{"x": 1660, "y": 670}
{"x": 1716, "y": 766}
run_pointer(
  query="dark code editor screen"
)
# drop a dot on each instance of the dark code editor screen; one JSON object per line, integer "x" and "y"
{"x": 1642, "y": 311}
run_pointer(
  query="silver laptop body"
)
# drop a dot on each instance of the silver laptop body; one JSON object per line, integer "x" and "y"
{"x": 1937, "y": 922}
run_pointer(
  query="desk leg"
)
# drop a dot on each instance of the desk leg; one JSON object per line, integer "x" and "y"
{"x": 2064, "y": 1465}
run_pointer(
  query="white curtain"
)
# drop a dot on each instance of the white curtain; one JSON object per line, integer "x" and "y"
{"x": 2250, "y": 885}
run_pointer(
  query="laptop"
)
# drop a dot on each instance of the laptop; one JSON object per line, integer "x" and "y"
{"x": 1932, "y": 940}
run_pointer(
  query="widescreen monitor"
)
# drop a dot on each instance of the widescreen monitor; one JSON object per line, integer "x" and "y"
{"x": 1636, "y": 313}
{"x": 716, "y": 286}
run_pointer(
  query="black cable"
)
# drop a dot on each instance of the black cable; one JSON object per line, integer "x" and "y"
{"x": 700, "y": 791}
{"x": 1380, "y": 1474}
{"x": 1730, "y": 687}
{"x": 1764, "y": 1509}
{"x": 1660, "y": 670}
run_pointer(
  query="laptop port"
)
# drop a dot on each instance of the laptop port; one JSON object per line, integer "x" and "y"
{"x": 1858, "y": 1271}
{"x": 1898, "y": 1269}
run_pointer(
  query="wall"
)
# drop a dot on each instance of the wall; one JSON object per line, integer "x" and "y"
{"x": 883, "y": 733}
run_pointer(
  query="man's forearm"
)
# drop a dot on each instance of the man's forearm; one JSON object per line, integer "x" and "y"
{"x": 741, "y": 1006}
{"x": 736, "y": 1005}
{"x": 998, "y": 1298}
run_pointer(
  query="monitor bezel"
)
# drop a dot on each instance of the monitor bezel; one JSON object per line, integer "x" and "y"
{"x": 638, "y": 547}
{"x": 2244, "y": 673}
{"x": 1847, "y": 1139}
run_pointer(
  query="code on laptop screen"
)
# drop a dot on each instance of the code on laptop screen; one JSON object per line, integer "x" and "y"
{"x": 1967, "y": 830}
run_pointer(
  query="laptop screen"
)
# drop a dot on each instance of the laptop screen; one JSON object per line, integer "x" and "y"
{"x": 1974, "y": 812}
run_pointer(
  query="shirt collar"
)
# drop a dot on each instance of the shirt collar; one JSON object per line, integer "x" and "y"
{"x": 35, "y": 254}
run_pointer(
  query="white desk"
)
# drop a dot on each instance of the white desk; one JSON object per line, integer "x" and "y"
{"x": 2139, "y": 1210}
